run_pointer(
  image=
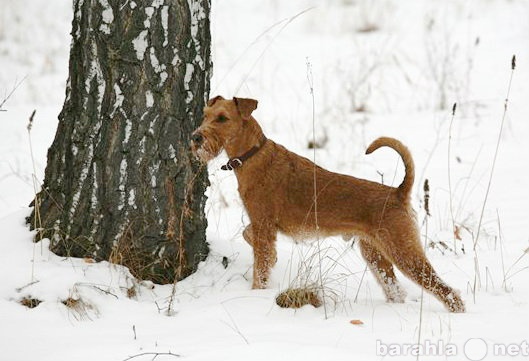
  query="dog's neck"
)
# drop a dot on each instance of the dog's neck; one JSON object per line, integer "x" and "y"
{"x": 249, "y": 136}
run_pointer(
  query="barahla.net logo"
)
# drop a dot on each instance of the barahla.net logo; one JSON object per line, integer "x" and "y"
{"x": 474, "y": 349}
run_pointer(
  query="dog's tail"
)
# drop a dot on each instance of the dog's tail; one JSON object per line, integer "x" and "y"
{"x": 409, "y": 177}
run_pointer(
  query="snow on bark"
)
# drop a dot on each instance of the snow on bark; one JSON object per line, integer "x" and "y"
{"x": 79, "y": 186}
{"x": 140, "y": 44}
{"x": 132, "y": 198}
{"x": 68, "y": 90}
{"x": 56, "y": 231}
{"x": 152, "y": 124}
{"x": 95, "y": 74}
{"x": 198, "y": 14}
{"x": 142, "y": 144}
{"x": 128, "y": 132}
{"x": 107, "y": 17}
{"x": 172, "y": 153}
{"x": 149, "y": 99}
{"x": 158, "y": 68}
{"x": 94, "y": 202}
{"x": 176, "y": 59}
{"x": 141, "y": 148}
{"x": 122, "y": 179}
{"x": 93, "y": 198}
{"x": 118, "y": 103}
{"x": 153, "y": 171}
{"x": 165, "y": 23}
{"x": 187, "y": 80}
{"x": 149, "y": 11}
{"x": 93, "y": 79}
{"x": 77, "y": 17}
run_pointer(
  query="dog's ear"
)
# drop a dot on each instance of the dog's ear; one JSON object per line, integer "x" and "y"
{"x": 245, "y": 106}
{"x": 214, "y": 100}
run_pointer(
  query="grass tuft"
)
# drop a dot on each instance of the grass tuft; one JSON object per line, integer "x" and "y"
{"x": 298, "y": 297}
{"x": 30, "y": 302}
{"x": 79, "y": 308}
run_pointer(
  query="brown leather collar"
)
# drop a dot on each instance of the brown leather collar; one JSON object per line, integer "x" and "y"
{"x": 237, "y": 162}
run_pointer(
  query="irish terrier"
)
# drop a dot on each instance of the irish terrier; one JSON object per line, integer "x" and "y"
{"x": 278, "y": 187}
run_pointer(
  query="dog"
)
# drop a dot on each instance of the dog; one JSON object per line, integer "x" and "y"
{"x": 284, "y": 192}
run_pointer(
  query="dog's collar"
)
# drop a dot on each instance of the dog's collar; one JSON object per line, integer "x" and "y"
{"x": 237, "y": 162}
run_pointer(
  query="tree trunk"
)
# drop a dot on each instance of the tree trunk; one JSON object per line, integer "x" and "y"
{"x": 121, "y": 184}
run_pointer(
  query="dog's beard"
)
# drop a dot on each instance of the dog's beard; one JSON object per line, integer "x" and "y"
{"x": 204, "y": 155}
{"x": 209, "y": 149}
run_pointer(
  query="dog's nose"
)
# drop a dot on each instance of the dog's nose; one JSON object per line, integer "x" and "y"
{"x": 197, "y": 138}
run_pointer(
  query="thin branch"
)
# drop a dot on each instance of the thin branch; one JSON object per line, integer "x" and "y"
{"x": 426, "y": 189}
{"x": 513, "y": 67}
{"x": 234, "y": 326}
{"x": 154, "y": 354}
{"x": 508, "y": 273}
{"x": 11, "y": 93}
{"x": 477, "y": 278}
{"x": 450, "y": 194}
{"x": 291, "y": 19}
{"x": 310, "y": 80}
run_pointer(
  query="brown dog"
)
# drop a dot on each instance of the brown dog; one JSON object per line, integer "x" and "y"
{"x": 278, "y": 187}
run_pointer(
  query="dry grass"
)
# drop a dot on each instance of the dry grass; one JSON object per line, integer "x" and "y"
{"x": 127, "y": 252}
{"x": 30, "y": 302}
{"x": 79, "y": 308}
{"x": 132, "y": 292}
{"x": 298, "y": 297}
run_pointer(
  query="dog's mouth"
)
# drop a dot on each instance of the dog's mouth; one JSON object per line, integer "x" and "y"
{"x": 205, "y": 148}
{"x": 200, "y": 153}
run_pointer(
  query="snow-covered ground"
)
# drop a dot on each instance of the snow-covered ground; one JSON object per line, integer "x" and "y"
{"x": 378, "y": 67}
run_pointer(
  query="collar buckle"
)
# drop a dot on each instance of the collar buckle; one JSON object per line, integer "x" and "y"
{"x": 236, "y": 162}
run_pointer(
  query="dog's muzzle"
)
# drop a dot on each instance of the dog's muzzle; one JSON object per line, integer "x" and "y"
{"x": 197, "y": 146}
{"x": 196, "y": 142}
{"x": 197, "y": 139}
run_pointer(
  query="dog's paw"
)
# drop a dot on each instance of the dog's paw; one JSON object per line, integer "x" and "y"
{"x": 454, "y": 303}
{"x": 258, "y": 287}
{"x": 395, "y": 293}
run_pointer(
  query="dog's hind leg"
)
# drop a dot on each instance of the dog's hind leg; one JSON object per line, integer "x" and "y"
{"x": 383, "y": 271}
{"x": 411, "y": 260}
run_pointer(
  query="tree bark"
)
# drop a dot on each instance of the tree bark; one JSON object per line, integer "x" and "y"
{"x": 121, "y": 184}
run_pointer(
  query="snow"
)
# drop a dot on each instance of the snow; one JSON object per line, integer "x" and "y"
{"x": 187, "y": 79}
{"x": 84, "y": 173}
{"x": 95, "y": 74}
{"x": 400, "y": 61}
{"x": 165, "y": 24}
{"x": 118, "y": 103}
{"x": 149, "y": 11}
{"x": 149, "y": 99}
{"x": 122, "y": 179}
{"x": 157, "y": 3}
{"x": 198, "y": 13}
{"x": 140, "y": 44}
{"x": 158, "y": 68}
{"x": 132, "y": 198}
{"x": 108, "y": 16}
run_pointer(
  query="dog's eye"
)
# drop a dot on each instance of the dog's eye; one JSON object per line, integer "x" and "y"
{"x": 222, "y": 119}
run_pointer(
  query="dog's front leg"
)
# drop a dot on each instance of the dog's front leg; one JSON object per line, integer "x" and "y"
{"x": 262, "y": 238}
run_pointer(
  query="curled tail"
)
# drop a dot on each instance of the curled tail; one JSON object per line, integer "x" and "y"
{"x": 407, "y": 184}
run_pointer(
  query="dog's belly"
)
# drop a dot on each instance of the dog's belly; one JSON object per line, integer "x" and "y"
{"x": 311, "y": 231}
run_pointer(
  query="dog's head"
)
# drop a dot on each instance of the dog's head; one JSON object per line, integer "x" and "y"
{"x": 222, "y": 122}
